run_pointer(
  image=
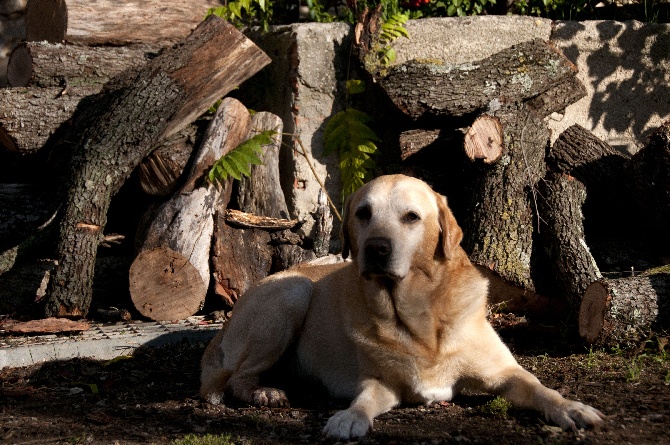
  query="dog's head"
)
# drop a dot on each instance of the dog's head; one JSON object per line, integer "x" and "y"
{"x": 395, "y": 224}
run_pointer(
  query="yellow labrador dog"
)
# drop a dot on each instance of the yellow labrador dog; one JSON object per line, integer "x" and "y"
{"x": 404, "y": 321}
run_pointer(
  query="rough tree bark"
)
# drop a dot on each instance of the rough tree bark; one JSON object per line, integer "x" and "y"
{"x": 130, "y": 116}
{"x": 170, "y": 277}
{"x": 499, "y": 233}
{"x": 44, "y": 64}
{"x": 518, "y": 73}
{"x": 30, "y": 116}
{"x": 562, "y": 232}
{"x": 622, "y": 312}
{"x": 113, "y": 22}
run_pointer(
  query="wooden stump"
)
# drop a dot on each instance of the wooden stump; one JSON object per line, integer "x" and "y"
{"x": 484, "y": 139}
{"x": 110, "y": 138}
{"x": 622, "y": 312}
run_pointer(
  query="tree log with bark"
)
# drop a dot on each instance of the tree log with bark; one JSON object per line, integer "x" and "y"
{"x": 562, "y": 232}
{"x": 44, "y": 64}
{"x": 499, "y": 232}
{"x": 518, "y": 73}
{"x": 624, "y": 311}
{"x": 111, "y": 137}
{"x": 170, "y": 277}
{"x": 30, "y": 116}
{"x": 113, "y": 22}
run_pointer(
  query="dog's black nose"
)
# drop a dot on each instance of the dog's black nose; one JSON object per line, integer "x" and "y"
{"x": 378, "y": 249}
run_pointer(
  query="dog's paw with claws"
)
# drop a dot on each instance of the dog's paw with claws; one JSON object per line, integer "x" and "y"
{"x": 347, "y": 424}
{"x": 271, "y": 397}
{"x": 572, "y": 415}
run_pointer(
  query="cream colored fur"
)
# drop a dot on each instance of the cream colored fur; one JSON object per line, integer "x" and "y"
{"x": 404, "y": 321}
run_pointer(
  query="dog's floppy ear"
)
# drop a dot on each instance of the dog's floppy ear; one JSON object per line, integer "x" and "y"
{"x": 344, "y": 230}
{"x": 450, "y": 232}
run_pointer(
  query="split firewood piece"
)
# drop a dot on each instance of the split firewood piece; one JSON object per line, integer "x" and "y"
{"x": 44, "y": 64}
{"x": 161, "y": 173}
{"x": 484, "y": 139}
{"x": 562, "y": 230}
{"x": 43, "y": 326}
{"x": 242, "y": 256}
{"x": 624, "y": 311}
{"x": 251, "y": 221}
{"x": 650, "y": 170}
{"x": 261, "y": 193}
{"x": 170, "y": 276}
{"x": 30, "y": 116}
{"x": 113, "y": 22}
{"x": 521, "y": 72}
{"x": 499, "y": 232}
{"x": 111, "y": 137}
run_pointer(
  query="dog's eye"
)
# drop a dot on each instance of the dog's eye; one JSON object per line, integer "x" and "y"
{"x": 364, "y": 213}
{"x": 411, "y": 217}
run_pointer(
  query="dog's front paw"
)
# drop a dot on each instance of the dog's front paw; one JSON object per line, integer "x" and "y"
{"x": 347, "y": 424}
{"x": 571, "y": 415}
{"x": 272, "y": 397}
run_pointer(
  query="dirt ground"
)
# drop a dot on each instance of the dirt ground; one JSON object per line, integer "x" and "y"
{"x": 151, "y": 398}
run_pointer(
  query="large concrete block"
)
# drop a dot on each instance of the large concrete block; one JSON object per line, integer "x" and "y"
{"x": 304, "y": 85}
{"x": 467, "y": 39}
{"x": 626, "y": 69}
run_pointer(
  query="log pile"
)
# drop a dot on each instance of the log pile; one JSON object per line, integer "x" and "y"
{"x": 99, "y": 113}
{"x": 542, "y": 221}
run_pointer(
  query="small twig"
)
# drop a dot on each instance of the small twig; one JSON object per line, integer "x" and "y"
{"x": 311, "y": 167}
{"x": 112, "y": 238}
{"x": 530, "y": 175}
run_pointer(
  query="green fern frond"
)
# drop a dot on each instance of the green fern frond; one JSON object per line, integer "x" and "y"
{"x": 348, "y": 135}
{"x": 237, "y": 163}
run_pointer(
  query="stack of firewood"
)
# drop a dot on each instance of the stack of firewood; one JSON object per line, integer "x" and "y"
{"x": 106, "y": 90}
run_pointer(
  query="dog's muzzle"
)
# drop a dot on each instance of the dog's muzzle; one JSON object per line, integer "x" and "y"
{"x": 377, "y": 256}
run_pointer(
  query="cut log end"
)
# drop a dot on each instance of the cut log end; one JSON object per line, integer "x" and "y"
{"x": 592, "y": 311}
{"x": 20, "y": 67}
{"x": 165, "y": 286}
{"x": 484, "y": 139}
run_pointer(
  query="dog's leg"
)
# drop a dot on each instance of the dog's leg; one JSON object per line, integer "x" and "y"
{"x": 523, "y": 389}
{"x": 261, "y": 329}
{"x": 374, "y": 399}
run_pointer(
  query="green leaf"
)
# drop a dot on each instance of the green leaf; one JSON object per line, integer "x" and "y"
{"x": 355, "y": 86}
{"x": 237, "y": 163}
